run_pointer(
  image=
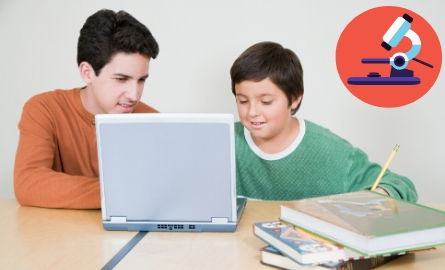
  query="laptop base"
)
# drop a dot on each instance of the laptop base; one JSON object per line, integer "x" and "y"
{"x": 178, "y": 226}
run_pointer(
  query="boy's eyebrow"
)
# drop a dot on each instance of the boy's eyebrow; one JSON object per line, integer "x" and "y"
{"x": 122, "y": 75}
{"x": 127, "y": 76}
{"x": 261, "y": 95}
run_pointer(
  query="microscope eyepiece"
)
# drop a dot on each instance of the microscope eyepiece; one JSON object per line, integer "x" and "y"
{"x": 407, "y": 18}
{"x": 386, "y": 46}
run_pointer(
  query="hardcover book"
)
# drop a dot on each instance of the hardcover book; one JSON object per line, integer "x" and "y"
{"x": 368, "y": 222}
{"x": 299, "y": 245}
{"x": 272, "y": 257}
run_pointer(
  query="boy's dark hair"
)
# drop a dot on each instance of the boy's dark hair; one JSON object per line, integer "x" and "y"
{"x": 270, "y": 60}
{"x": 106, "y": 33}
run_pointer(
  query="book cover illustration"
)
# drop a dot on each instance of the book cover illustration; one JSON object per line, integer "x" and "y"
{"x": 369, "y": 214}
{"x": 281, "y": 261}
{"x": 376, "y": 215}
{"x": 303, "y": 247}
{"x": 298, "y": 239}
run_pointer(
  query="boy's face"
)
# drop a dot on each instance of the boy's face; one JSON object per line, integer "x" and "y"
{"x": 264, "y": 110}
{"x": 119, "y": 86}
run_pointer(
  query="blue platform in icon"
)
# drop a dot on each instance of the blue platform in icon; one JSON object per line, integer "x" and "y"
{"x": 383, "y": 80}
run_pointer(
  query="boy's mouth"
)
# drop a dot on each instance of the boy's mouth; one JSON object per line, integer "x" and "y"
{"x": 257, "y": 124}
{"x": 126, "y": 107}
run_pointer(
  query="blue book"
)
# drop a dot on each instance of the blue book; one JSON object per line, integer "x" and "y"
{"x": 301, "y": 246}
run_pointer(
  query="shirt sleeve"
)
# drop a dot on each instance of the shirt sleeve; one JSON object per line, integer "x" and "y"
{"x": 36, "y": 183}
{"x": 363, "y": 174}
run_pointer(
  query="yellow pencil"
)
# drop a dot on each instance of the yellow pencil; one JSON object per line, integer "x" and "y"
{"x": 377, "y": 181}
{"x": 393, "y": 206}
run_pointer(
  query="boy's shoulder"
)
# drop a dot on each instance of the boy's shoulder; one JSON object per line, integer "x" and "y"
{"x": 144, "y": 108}
{"x": 56, "y": 103}
{"x": 55, "y": 96}
{"x": 314, "y": 128}
{"x": 239, "y": 129}
{"x": 315, "y": 132}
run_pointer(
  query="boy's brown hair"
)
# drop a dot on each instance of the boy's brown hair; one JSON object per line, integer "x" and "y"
{"x": 106, "y": 33}
{"x": 270, "y": 60}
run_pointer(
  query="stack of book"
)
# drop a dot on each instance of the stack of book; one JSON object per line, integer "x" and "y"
{"x": 357, "y": 230}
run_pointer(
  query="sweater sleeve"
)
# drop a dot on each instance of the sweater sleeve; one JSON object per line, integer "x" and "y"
{"x": 363, "y": 173}
{"x": 36, "y": 183}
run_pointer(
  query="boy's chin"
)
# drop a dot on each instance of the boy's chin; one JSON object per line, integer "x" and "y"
{"x": 257, "y": 134}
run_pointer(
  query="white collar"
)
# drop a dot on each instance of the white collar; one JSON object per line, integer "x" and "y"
{"x": 283, "y": 153}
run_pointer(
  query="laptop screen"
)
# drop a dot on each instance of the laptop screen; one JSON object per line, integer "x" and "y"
{"x": 167, "y": 167}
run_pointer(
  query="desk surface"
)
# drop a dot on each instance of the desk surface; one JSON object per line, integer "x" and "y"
{"x": 63, "y": 239}
{"x": 38, "y": 238}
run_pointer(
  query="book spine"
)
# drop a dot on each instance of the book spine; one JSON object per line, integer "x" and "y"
{"x": 366, "y": 264}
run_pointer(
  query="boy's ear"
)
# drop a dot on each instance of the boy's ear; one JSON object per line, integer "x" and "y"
{"x": 86, "y": 72}
{"x": 295, "y": 103}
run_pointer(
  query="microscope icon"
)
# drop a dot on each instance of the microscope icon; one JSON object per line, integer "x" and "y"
{"x": 399, "y": 75}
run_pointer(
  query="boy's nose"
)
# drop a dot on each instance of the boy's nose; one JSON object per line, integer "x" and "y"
{"x": 253, "y": 111}
{"x": 133, "y": 93}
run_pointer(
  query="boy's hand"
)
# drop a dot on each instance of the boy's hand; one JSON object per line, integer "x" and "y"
{"x": 381, "y": 190}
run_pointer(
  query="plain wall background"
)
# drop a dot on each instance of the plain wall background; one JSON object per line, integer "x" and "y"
{"x": 199, "y": 40}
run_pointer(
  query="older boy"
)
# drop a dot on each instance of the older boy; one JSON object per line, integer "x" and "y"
{"x": 283, "y": 157}
{"x": 56, "y": 162}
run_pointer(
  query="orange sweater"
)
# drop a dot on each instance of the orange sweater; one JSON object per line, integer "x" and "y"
{"x": 56, "y": 161}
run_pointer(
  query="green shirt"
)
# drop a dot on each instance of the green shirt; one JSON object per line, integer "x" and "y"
{"x": 317, "y": 163}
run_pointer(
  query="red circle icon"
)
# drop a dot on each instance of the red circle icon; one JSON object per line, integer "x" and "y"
{"x": 388, "y": 56}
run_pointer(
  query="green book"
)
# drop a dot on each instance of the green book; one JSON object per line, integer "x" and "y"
{"x": 368, "y": 222}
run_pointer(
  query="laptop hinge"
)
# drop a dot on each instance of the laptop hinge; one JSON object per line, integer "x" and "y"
{"x": 118, "y": 219}
{"x": 220, "y": 220}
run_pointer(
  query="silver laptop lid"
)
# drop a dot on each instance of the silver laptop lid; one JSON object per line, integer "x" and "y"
{"x": 167, "y": 167}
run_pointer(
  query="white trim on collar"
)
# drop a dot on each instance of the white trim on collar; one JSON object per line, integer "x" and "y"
{"x": 283, "y": 153}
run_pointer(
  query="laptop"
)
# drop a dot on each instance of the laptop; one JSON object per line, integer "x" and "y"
{"x": 168, "y": 172}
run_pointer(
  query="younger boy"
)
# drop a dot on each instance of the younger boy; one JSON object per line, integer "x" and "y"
{"x": 56, "y": 162}
{"x": 283, "y": 157}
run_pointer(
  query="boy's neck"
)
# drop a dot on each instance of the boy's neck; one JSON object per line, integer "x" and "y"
{"x": 281, "y": 141}
{"x": 85, "y": 97}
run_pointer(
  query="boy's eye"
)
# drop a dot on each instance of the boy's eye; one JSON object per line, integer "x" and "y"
{"x": 242, "y": 101}
{"x": 142, "y": 80}
{"x": 121, "y": 79}
{"x": 267, "y": 102}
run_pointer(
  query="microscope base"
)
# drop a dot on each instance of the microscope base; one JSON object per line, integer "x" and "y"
{"x": 383, "y": 80}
